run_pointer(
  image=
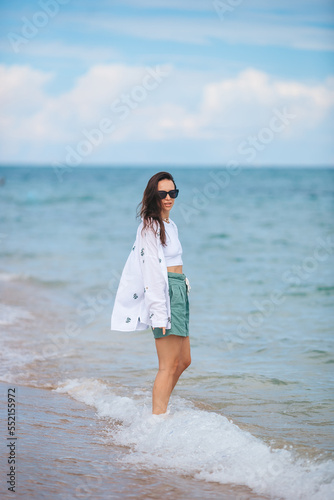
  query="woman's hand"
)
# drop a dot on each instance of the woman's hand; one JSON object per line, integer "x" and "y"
{"x": 163, "y": 329}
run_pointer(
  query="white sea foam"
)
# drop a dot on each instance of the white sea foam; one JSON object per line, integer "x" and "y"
{"x": 17, "y": 365}
{"x": 203, "y": 444}
{"x": 10, "y": 315}
{"x": 12, "y": 277}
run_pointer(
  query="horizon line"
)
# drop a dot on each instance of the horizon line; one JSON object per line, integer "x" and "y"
{"x": 161, "y": 165}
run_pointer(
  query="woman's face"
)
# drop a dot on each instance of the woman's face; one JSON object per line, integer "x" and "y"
{"x": 166, "y": 185}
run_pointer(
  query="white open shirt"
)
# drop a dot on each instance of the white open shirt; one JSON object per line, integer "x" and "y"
{"x": 142, "y": 299}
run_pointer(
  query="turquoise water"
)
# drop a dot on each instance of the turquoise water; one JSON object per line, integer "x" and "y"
{"x": 255, "y": 408}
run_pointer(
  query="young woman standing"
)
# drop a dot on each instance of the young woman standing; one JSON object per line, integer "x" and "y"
{"x": 153, "y": 291}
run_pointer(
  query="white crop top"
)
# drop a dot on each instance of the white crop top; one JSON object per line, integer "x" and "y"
{"x": 173, "y": 249}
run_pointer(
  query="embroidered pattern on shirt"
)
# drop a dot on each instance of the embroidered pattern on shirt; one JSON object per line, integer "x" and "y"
{"x": 135, "y": 299}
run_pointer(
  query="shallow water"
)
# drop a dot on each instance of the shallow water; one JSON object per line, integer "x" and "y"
{"x": 252, "y": 416}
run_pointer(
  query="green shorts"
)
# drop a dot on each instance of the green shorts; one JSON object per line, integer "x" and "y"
{"x": 179, "y": 305}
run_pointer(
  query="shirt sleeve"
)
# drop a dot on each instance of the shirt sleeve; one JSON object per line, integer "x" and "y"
{"x": 154, "y": 281}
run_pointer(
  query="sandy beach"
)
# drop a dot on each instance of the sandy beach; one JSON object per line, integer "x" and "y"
{"x": 61, "y": 454}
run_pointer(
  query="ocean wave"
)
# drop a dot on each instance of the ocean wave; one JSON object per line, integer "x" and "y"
{"x": 22, "y": 364}
{"x": 204, "y": 444}
{"x": 326, "y": 290}
{"x": 12, "y": 277}
{"x": 49, "y": 283}
{"x": 9, "y": 315}
{"x": 52, "y": 283}
{"x": 35, "y": 198}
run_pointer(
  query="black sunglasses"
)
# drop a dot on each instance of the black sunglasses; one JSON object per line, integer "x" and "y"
{"x": 173, "y": 193}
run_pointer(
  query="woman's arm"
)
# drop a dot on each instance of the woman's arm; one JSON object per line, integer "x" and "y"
{"x": 154, "y": 281}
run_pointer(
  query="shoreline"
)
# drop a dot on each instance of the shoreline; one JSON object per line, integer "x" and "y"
{"x": 48, "y": 427}
{"x": 61, "y": 453}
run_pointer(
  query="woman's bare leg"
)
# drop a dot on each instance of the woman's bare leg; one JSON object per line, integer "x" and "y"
{"x": 184, "y": 361}
{"x": 174, "y": 357}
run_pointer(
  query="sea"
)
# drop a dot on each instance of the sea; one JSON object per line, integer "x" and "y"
{"x": 251, "y": 418}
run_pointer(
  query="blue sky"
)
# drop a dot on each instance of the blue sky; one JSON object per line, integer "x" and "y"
{"x": 167, "y": 82}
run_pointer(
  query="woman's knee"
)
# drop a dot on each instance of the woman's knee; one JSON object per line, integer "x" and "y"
{"x": 184, "y": 363}
{"x": 187, "y": 362}
{"x": 171, "y": 367}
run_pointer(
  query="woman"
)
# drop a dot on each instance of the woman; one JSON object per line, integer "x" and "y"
{"x": 153, "y": 291}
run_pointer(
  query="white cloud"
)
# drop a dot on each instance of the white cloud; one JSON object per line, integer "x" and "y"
{"x": 53, "y": 50}
{"x": 200, "y": 5}
{"x": 227, "y": 110}
{"x": 242, "y": 26}
{"x": 247, "y": 100}
{"x": 235, "y": 107}
{"x": 22, "y": 89}
{"x": 317, "y": 9}
{"x": 61, "y": 118}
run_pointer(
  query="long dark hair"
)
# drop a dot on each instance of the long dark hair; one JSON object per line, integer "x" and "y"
{"x": 150, "y": 206}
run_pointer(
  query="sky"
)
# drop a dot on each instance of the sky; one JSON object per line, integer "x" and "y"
{"x": 167, "y": 82}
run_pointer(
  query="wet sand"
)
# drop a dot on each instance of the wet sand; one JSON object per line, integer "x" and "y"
{"x": 60, "y": 454}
